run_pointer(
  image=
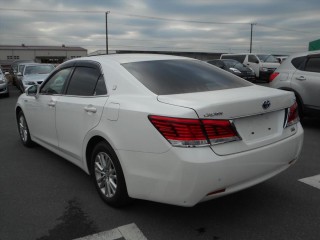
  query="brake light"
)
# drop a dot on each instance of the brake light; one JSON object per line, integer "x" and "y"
{"x": 220, "y": 131}
{"x": 194, "y": 132}
{"x": 292, "y": 115}
{"x": 273, "y": 76}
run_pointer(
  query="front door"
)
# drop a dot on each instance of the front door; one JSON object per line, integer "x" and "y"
{"x": 42, "y": 110}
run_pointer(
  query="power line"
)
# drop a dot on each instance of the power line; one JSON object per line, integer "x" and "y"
{"x": 118, "y": 13}
{"x": 153, "y": 18}
{"x": 286, "y": 29}
{"x": 123, "y": 39}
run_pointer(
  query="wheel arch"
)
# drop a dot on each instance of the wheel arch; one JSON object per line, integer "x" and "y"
{"x": 94, "y": 140}
{"x": 18, "y": 110}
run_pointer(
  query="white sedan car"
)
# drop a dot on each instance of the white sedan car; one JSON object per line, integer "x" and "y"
{"x": 162, "y": 128}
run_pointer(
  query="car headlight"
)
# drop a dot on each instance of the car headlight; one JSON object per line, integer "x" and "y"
{"x": 234, "y": 70}
{"x": 2, "y": 81}
{"x": 264, "y": 69}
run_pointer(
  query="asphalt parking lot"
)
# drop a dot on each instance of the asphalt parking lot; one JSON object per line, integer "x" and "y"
{"x": 42, "y": 196}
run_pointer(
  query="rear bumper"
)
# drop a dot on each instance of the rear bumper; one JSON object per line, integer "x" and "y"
{"x": 187, "y": 176}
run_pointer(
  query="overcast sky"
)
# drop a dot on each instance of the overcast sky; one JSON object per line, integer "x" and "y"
{"x": 281, "y": 26}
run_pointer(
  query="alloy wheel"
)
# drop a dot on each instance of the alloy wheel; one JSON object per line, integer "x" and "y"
{"x": 105, "y": 174}
{"x": 23, "y": 129}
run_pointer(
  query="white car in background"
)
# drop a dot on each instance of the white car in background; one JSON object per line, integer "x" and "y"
{"x": 300, "y": 74}
{"x": 4, "y": 90}
{"x": 162, "y": 128}
{"x": 33, "y": 73}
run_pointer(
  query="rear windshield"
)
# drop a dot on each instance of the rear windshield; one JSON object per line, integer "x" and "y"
{"x": 165, "y": 77}
{"x": 267, "y": 58}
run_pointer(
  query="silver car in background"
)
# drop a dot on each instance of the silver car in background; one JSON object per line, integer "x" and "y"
{"x": 300, "y": 73}
{"x": 33, "y": 74}
{"x": 4, "y": 91}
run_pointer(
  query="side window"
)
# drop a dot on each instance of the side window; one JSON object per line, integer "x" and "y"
{"x": 55, "y": 84}
{"x": 240, "y": 58}
{"x": 101, "y": 88}
{"x": 83, "y": 81}
{"x": 313, "y": 65}
{"x": 253, "y": 59}
{"x": 298, "y": 62}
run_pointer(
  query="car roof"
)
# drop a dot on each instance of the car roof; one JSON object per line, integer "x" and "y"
{"x": 300, "y": 54}
{"x": 127, "y": 58}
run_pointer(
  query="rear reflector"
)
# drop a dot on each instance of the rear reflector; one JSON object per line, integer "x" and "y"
{"x": 273, "y": 76}
{"x": 292, "y": 115}
{"x": 194, "y": 132}
{"x": 217, "y": 191}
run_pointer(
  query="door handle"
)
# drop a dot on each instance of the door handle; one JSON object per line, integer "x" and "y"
{"x": 52, "y": 103}
{"x": 90, "y": 108}
{"x": 301, "y": 78}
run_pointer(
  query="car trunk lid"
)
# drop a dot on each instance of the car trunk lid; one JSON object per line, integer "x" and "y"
{"x": 257, "y": 113}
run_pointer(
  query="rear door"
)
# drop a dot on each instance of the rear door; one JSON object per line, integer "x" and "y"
{"x": 80, "y": 109}
{"x": 307, "y": 82}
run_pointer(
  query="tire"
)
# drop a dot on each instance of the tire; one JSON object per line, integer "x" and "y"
{"x": 108, "y": 176}
{"x": 24, "y": 130}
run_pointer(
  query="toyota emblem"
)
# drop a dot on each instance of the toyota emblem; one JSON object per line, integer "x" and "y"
{"x": 266, "y": 104}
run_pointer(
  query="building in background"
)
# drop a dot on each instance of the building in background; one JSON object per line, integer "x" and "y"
{"x": 40, "y": 54}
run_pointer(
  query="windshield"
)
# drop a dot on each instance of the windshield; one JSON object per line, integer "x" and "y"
{"x": 164, "y": 77}
{"x": 233, "y": 64}
{"x": 38, "y": 69}
{"x": 267, "y": 58}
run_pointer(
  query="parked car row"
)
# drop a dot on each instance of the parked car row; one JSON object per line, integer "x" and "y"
{"x": 298, "y": 73}
{"x": 26, "y": 73}
{"x": 262, "y": 64}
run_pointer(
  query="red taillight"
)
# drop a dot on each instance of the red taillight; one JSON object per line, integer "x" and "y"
{"x": 194, "y": 132}
{"x": 273, "y": 76}
{"x": 219, "y": 131}
{"x": 292, "y": 115}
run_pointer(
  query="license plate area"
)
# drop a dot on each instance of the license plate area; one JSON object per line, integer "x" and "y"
{"x": 260, "y": 127}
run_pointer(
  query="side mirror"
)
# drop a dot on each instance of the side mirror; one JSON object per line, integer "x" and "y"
{"x": 6, "y": 73}
{"x": 19, "y": 74}
{"x": 33, "y": 91}
{"x": 257, "y": 61}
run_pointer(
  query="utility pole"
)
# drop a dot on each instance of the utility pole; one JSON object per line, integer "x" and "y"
{"x": 107, "y": 47}
{"x": 251, "y": 36}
